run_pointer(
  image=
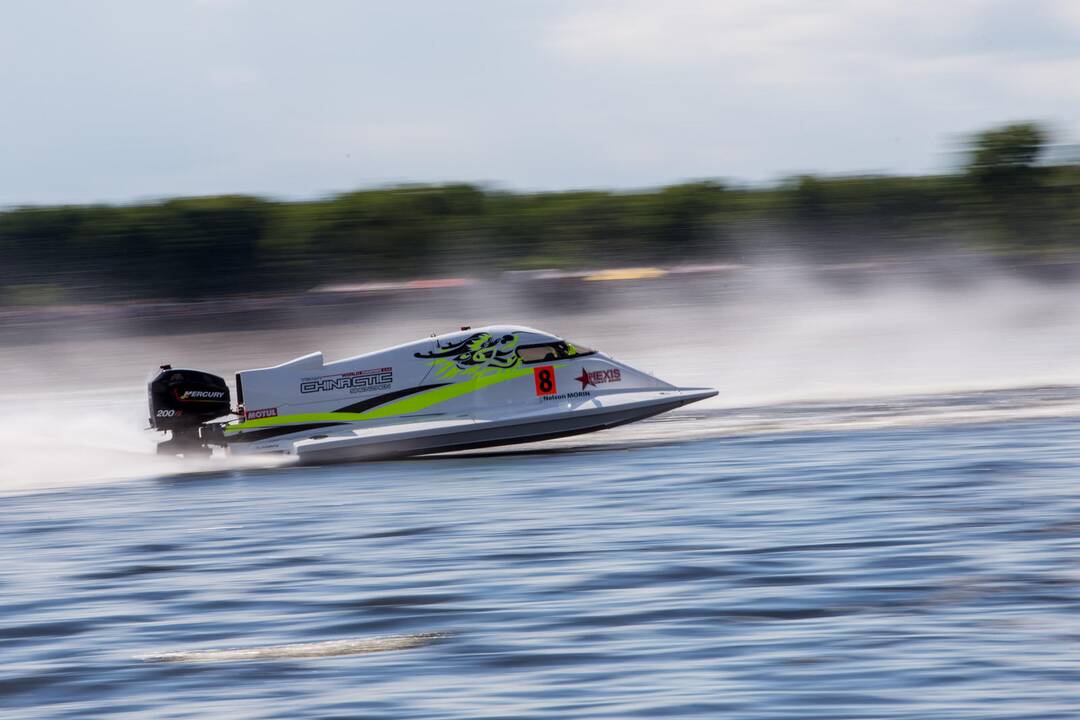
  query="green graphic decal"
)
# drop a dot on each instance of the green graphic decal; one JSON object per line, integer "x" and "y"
{"x": 479, "y": 355}
{"x": 413, "y": 404}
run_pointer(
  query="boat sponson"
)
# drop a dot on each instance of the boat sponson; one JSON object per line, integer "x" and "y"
{"x": 464, "y": 434}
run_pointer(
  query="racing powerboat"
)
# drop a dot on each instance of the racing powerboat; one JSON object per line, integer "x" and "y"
{"x": 491, "y": 386}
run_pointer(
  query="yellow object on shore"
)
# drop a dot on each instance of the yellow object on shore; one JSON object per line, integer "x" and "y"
{"x": 640, "y": 273}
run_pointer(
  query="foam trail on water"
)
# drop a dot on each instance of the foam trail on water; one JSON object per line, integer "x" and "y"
{"x": 53, "y": 441}
{"x": 326, "y": 648}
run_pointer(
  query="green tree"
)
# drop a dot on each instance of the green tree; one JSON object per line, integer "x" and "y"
{"x": 1004, "y": 160}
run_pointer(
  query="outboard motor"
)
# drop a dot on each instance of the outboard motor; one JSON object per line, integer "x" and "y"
{"x": 183, "y": 401}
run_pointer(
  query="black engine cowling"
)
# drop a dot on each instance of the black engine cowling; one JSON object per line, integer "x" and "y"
{"x": 182, "y": 401}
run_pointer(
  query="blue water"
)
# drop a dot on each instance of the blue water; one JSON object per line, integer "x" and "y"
{"x": 922, "y": 572}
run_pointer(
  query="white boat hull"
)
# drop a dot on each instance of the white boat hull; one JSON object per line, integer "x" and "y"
{"x": 436, "y": 436}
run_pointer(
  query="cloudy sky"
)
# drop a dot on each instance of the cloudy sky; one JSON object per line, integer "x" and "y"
{"x": 118, "y": 100}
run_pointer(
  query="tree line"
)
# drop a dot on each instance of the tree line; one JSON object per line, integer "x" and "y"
{"x": 1007, "y": 197}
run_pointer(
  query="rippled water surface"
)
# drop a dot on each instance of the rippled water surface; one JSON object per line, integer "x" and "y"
{"x": 839, "y": 572}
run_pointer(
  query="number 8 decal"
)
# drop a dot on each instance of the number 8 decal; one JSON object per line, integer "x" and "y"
{"x": 545, "y": 380}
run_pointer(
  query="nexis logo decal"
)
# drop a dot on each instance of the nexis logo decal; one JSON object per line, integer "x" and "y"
{"x": 598, "y": 377}
{"x": 262, "y": 413}
{"x": 360, "y": 381}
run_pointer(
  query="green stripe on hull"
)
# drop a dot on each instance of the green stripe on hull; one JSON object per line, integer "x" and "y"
{"x": 406, "y": 406}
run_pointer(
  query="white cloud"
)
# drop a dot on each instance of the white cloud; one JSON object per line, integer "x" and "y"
{"x": 232, "y": 78}
{"x": 846, "y": 76}
{"x": 777, "y": 43}
{"x": 677, "y": 31}
{"x": 389, "y": 136}
{"x": 1056, "y": 77}
{"x": 1068, "y": 12}
{"x": 793, "y": 38}
{"x": 219, "y": 4}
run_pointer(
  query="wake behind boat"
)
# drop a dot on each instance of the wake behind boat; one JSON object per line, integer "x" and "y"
{"x": 491, "y": 386}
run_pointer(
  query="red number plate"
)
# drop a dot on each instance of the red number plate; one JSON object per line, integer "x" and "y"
{"x": 545, "y": 380}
